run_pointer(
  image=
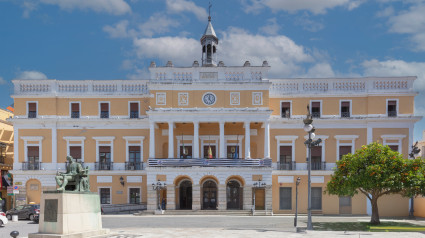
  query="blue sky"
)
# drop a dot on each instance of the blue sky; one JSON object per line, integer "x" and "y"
{"x": 117, "y": 39}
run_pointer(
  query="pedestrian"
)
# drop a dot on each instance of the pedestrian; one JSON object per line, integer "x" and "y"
{"x": 163, "y": 204}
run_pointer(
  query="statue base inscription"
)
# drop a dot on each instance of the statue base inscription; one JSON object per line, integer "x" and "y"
{"x": 69, "y": 214}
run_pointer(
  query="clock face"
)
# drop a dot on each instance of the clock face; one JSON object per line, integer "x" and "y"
{"x": 209, "y": 99}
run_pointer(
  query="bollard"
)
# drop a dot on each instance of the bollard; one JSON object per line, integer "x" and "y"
{"x": 14, "y": 234}
{"x": 14, "y": 217}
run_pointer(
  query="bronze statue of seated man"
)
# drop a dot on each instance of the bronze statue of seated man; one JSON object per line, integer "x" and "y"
{"x": 75, "y": 173}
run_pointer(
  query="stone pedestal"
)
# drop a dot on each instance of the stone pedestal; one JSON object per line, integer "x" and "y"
{"x": 69, "y": 214}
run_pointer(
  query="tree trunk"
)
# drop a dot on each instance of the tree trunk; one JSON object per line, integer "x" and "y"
{"x": 375, "y": 214}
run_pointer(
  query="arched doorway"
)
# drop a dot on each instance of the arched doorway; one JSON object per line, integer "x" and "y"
{"x": 234, "y": 195}
{"x": 209, "y": 198}
{"x": 185, "y": 195}
{"x": 33, "y": 189}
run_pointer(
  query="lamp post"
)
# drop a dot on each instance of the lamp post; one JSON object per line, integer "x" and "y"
{"x": 415, "y": 150}
{"x": 296, "y": 201}
{"x": 257, "y": 185}
{"x": 309, "y": 128}
{"x": 158, "y": 187}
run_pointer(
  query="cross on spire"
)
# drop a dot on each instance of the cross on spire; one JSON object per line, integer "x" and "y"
{"x": 209, "y": 11}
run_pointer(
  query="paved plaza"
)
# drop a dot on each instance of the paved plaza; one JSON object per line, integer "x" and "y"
{"x": 129, "y": 226}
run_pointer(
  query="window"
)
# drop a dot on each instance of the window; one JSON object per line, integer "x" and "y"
{"x": 134, "y": 158}
{"x": 286, "y": 109}
{"x": 105, "y": 158}
{"x": 104, "y": 110}
{"x": 186, "y": 152}
{"x": 75, "y": 110}
{"x": 33, "y": 158}
{"x": 393, "y": 147}
{"x": 392, "y": 108}
{"x": 285, "y": 158}
{"x": 345, "y": 109}
{"x": 32, "y": 110}
{"x": 134, "y": 195}
{"x": 316, "y": 198}
{"x": 209, "y": 154}
{"x": 75, "y": 152}
{"x": 105, "y": 195}
{"x": 285, "y": 198}
{"x": 343, "y": 150}
{"x": 316, "y": 158}
{"x": 134, "y": 110}
{"x": 315, "y": 109}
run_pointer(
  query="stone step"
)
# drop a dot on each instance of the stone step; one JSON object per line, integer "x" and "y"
{"x": 207, "y": 212}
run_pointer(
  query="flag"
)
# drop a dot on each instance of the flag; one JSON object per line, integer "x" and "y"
{"x": 209, "y": 153}
{"x": 236, "y": 152}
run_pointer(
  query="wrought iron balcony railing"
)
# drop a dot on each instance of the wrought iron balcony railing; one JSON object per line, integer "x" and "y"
{"x": 315, "y": 114}
{"x": 345, "y": 114}
{"x": 104, "y": 114}
{"x": 318, "y": 165}
{"x": 286, "y": 166}
{"x": 32, "y": 114}
{"x": 134, "y": 114}
{"x": 31, "y": 165}
{"x": 286, "y": 115}
{"x": 134, "y": 166}
{"x": 173, "y": 162}
{"x": 75, "y": 114}
{"x": 104, "y": 166}
{"x": 392, "y": 113}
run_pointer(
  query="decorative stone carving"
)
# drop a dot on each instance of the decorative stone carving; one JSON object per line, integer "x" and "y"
{"x": 235, "y": 98}
{"x": 183, "y": 99}
{"x": 257, "y": 98}
{"x": 161, "y": 98}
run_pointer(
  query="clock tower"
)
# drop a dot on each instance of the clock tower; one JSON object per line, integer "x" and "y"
{"x": 209, "y": 42}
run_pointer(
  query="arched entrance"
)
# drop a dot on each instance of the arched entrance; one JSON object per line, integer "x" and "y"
{"x": 185, "y": 195}
{"x": 234, "y": 195}
{"x": 209, "y": 198}
{"x": 33, "y": 187}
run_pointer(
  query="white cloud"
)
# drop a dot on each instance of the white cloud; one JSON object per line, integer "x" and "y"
{"x": 284, "y": 55}
{"x": 320, "y": 70}
{"x": 386, "y": 12}
{"x": 158, "y": 23}
{"x": 2, "y": 81}
{"x": 272, "y": 28}
{"x": 119, "y": 30}
{"x": 308, "y": 24}
{"x": 31, "y": 75}
{"x": 314, "y": 6}
{"x": 28, "y": 7}
{"x": 411, "y": 22}
{"x": 179, "y": 6}
{"x": 115, "y": 7}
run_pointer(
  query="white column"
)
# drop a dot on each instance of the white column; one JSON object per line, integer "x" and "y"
{"x": 222, "y": 147}
{"x": 195, "y": 139}
{"x": 54, "y": 146}
{"x": 247, "y": 140}
{"x": 171, "y": 140}
{"x": 152, "y": 140}
{"x": 369, "y": 134}
{"x": 266, "y": 139}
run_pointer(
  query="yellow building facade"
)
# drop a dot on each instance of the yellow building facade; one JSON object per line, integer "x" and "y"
{"x": 6, "y": 158}
{"x": 219, "y": 136}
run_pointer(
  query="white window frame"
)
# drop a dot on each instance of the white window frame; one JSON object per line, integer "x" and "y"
{"x": 80, "y": 139}
{"x": 129, "y": 109}
{"x": 128, "y": 139}
{"x": 321, "y": 107}
{"x": 345, "y": 138}
{"x": 36, "y": 108}
{"x": 109, "y": 108}
{"x": 399, "y": 138}
{"x": 70, "y": 107}
{"x": 27, "y": 142}
{"x": 128, "y": 193}
{"x": 290, "y": 108}
{"x": 110, "y": 140}
{"x": 280, "y": 142}
{"x": 261, "y": 98}
{"x": 239, "y": 96}
{"x": 110, "y": 194}
{"x": 323, "y": 144}
{"x": 340, "y": 103}
{"x": 386, "y": 105}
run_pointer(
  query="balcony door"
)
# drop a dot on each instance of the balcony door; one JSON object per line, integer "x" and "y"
{"x": 233, "y": 152}
{"x": 207, "y": 155}
{"x": 186, "y": 153}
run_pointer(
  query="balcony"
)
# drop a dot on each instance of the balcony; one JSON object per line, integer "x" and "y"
{"x": 345, "y": 114}
{"x": 210, "y": 162}
{"x": 75, "y": 114}
{"x": 134, "y": 114}
{"x": 286, "y": 166}
{"x": 134, "y": 166}
{"x": 392, "y": 113}
{"x": 104, "y": 166}
{"x": 31, "y": 165}
{"x": 104, "y": 114}
{"x": 315, "y": 114}
{"x": 318, "y": 165}
{"x": 32, "y": 114}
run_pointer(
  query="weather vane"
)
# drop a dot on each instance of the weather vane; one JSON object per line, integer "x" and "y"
{"x": 209, "y": 10}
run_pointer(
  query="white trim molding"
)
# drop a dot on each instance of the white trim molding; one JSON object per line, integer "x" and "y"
{"x": 27, "y": 142}
{"x": 80, "y": 139}
{"x": 110, "y": 142}
{"x": 350, "y": 108}
{"x": 398, "y": 138}
{"x": 323, "y": 138}
{"x": 128, "y": 139}
{"x": 36, "y": 108}
{"x": 280, "y": 142}
{"x": 290, "y": 108}
{"x": 338, "y": 138}
{"x": 386, "y": 105}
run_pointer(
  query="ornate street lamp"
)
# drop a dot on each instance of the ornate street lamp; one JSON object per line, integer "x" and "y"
{"x": 257, "y": 185}
{"x": 158, "y": 187}
{"x": 296, "y": 201}
{"x": 415, "y": 150}
{"x": 309, "y": 128}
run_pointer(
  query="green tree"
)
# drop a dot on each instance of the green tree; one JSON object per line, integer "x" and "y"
{"x": 376, "y": 170}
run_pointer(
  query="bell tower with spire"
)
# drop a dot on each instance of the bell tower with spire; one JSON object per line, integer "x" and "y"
{"x": 209, "y": 42}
